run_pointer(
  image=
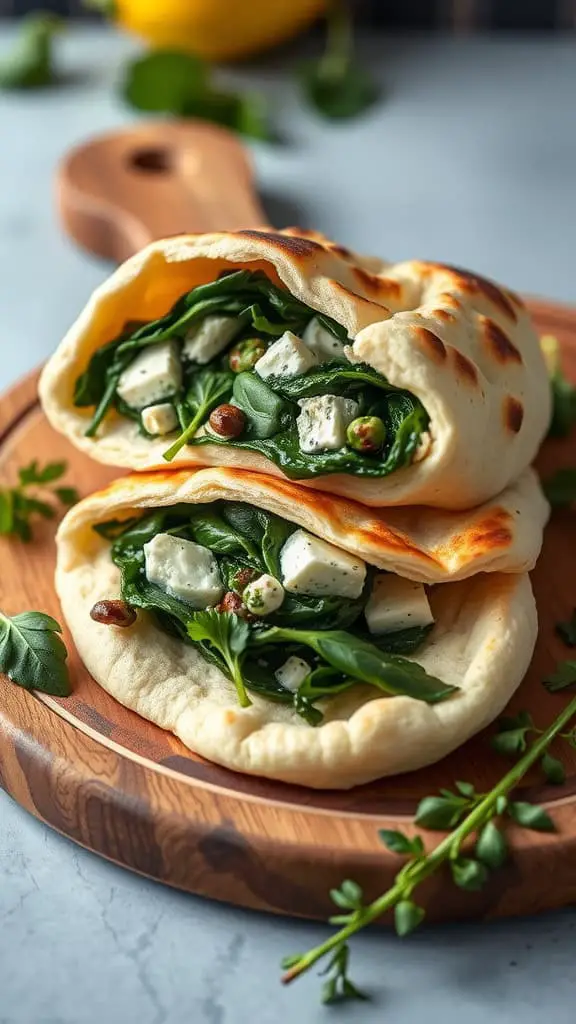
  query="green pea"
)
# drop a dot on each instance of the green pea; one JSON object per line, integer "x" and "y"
{"x": 366, "y": 434}
{"x": 246, "y": 354}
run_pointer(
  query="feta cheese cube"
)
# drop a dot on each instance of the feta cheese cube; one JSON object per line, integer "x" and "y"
{"x": 209, "y": 338}
{"x": 183, "y": 569}
{"x": 286, "y": 357}
{"x": 321, "y": 342}
{"x": 292, "y": 673}
{"x": 397, "y": 604}
{"x": 159, "y": 419}
{"x": 323, "y": 422}
{"x": 312, "y": 566}
{"x": 264, "y": 595}
{"x": 155, "y": 374}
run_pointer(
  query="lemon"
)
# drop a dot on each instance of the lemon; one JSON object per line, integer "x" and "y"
{"x": 216, "y": 29}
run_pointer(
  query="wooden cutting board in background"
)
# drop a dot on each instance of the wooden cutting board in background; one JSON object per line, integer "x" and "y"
{"x": 125, "y": 789}
{"x": 121, "y": 191}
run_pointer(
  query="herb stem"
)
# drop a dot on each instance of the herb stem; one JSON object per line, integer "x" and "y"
{"x": 103, "y": 406}
{"x": 338, "y": 40}
{"x": 185, "y": 435}
{"x": 429, "y": 864}
{"x": 236, "y": 673}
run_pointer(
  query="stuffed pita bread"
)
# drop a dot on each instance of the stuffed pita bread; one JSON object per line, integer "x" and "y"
{"x": 407, "y": 383}
{"x": 286, "y": 633}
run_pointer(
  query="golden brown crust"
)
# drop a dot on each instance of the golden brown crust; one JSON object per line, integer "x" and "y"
{"x": 426, "y": 544}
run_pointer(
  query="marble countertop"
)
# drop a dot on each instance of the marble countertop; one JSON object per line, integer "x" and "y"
{"x": 471, "y": 158}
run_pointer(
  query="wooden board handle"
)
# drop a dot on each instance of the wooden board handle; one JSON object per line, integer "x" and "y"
{"x": 118, "y": 192}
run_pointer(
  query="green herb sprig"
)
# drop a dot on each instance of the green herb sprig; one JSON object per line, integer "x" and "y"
{"x": 206, "y": 391}
{"x": 18, "y": 505}
{"x": 32, "y": 653}
{"x": 336, "y": 85}
{"x": 468, "y": 814}
{"x": 30, "y": 64}
{"x": 170, "y": 81}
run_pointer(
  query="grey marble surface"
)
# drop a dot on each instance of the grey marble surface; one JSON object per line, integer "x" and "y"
{"x": 471, "y": 159}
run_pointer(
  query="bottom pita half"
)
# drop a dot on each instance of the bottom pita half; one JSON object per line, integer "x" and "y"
{"x": 483, "y": 639}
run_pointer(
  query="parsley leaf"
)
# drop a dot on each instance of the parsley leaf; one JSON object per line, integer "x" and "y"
{"x": 18, "y": 506}
{"x": 567, "y": 630}
{"x": 171, "y": 81}
{"x": 32, "y": 654}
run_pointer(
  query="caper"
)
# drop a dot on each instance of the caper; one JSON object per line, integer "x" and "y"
{"x": 246, "y": 354}
{"x": 366, "y": 434}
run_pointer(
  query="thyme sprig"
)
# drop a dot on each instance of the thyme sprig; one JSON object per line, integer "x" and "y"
{"x": 468, "y": 815}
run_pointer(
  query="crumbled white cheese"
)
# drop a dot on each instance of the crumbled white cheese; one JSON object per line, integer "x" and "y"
{"x": 209, "y": 338}
{"x": 292, "y": 673}
{"x": 395, "y": 604}
{"x": 159, "y": 419}
{"x": 154, "y": 375}
{"x": 312, "y": 566}
{"x": 183, "y": 569}
{"x": 322, "y": 342}
{"x": 286, "y": 357}
{"x": 264, "y": 595}
{"x": 323, "y": 422}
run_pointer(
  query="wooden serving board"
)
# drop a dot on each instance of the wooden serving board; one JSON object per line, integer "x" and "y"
{"x": 134, "y": 794}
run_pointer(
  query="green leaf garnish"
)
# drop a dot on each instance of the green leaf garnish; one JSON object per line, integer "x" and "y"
{"x": 32, "y": 653}
{"x": 563, "y": 677}
{"x": 18, "y": 506}
{"x": 567, "y": 630}
{"x": 531, "y": 816}
{"x": 175, "y": 82}
{"x": 511, "y": 738}
{"x": 407, "y": 916}
{"x": 468, "y": 872}
{"x": 30, "y": 65}
{"x": 439, "y": 813}
{"x": 553, "y": 770}
{"x": 560, "y": 489}
{"x": 397, "y": 842}
{"x": 338, "y": 86}
{"x": 491, "y": 847}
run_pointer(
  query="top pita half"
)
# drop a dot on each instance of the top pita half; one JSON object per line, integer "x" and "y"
{"x": 461, "y": 344}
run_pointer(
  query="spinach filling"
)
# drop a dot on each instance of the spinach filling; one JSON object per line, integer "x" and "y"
{"x": 329, "y": 633}
{"x": 264, "y": 312}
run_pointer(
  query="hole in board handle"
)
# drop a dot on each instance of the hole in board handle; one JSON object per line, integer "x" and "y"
{"x": 151, "y": 161}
